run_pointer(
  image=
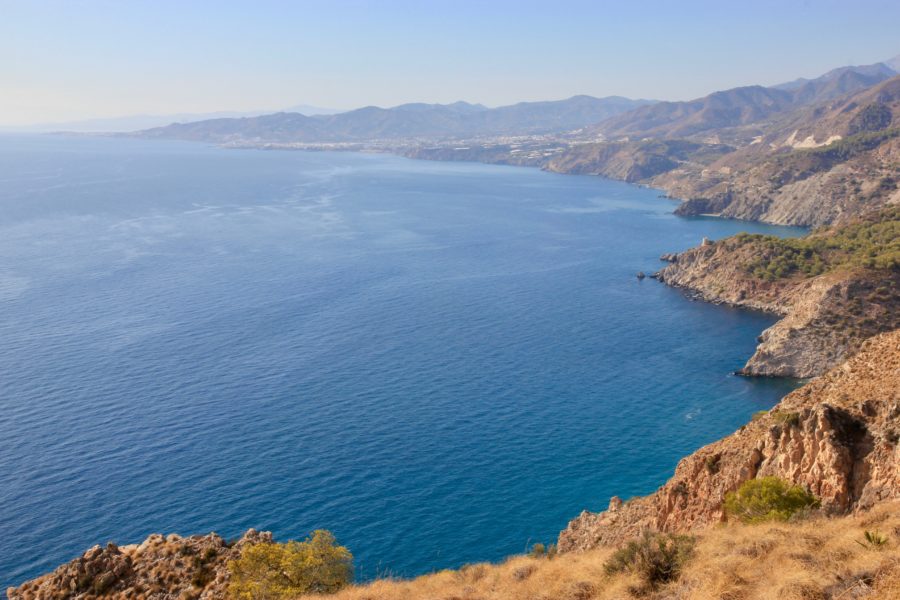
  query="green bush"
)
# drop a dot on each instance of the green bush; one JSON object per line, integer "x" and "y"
{"x": 873, "y": 540}
{"x": 655, "y": 557}
{"x": 768, "y": 499}
{"x": 281, "y": 571}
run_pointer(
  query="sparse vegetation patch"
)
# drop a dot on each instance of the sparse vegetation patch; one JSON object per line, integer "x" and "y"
{"x": 768, "y": 499}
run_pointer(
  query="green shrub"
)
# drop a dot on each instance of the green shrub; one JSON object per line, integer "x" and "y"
{"x": 873, "y": 540}
{"x": 768, "y": 499}
{"x": 655, "y": 557}
{"x": 281, "y": 571}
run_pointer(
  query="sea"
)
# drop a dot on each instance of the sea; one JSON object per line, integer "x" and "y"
{"x": 442, "y": 363}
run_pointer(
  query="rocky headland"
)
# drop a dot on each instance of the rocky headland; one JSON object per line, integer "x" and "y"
{"x": 833, "y": 289}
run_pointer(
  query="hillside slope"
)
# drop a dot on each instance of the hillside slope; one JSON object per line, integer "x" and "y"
{"x": 819, "y": 559}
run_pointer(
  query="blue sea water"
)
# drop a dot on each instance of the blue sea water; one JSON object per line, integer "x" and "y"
{"x": 440, "y": 362}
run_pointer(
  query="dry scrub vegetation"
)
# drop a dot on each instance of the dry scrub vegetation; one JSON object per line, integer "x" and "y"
{"x": 818, "y": 558}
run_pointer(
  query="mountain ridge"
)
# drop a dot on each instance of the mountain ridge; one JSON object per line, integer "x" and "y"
{"x": 406, "y": 121}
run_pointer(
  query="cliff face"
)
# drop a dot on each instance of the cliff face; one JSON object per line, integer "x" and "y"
{"x": 193, "y": 568}
{"x": 837, "y": 436}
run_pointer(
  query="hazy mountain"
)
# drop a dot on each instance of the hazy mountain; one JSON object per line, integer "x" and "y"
{"x": 406, "y": 121}
{"x": 882, "y": 70}
{"x": 729, "y": 108}
{"x": 137, "y": 122}
{"x": 739, "y": 107}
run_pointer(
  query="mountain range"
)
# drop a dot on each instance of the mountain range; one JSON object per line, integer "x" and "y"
{"x": 136, "y": 122}
{"x": 728, "y": 115}
{"x": 404, "y": 122}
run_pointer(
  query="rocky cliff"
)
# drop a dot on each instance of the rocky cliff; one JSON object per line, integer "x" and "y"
{"x": 837, "y": 436}
{"x": 825, "y": 318}
{"x": 186, "y": 568}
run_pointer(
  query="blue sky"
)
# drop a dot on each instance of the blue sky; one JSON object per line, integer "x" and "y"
{"x": 63, "y": 60}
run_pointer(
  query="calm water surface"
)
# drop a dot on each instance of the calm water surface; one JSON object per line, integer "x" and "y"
{"x": 440, "y": 362}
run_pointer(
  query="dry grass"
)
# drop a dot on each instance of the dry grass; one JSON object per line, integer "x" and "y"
{"x": 820, "y": 558}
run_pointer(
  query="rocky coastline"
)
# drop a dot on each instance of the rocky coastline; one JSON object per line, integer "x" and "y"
{"x": 824, "y": 318}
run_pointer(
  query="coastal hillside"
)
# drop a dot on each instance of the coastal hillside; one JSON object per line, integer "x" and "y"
{"x": 837, "y": 437}
{"x": 833, "y": 289}
{"x": 816, "y": 166}
{"x": 807, "y": 166}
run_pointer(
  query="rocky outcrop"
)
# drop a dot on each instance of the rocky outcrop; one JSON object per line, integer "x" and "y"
{"x": 162, "y": 567}
{"x": 837, "y": 436}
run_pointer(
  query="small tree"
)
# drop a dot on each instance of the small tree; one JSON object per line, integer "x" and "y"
{"x": 768, "y": 499}
{"x": 280, "y": 571}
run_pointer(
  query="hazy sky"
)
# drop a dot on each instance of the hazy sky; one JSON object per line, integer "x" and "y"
{"x": 72, "y": 59}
